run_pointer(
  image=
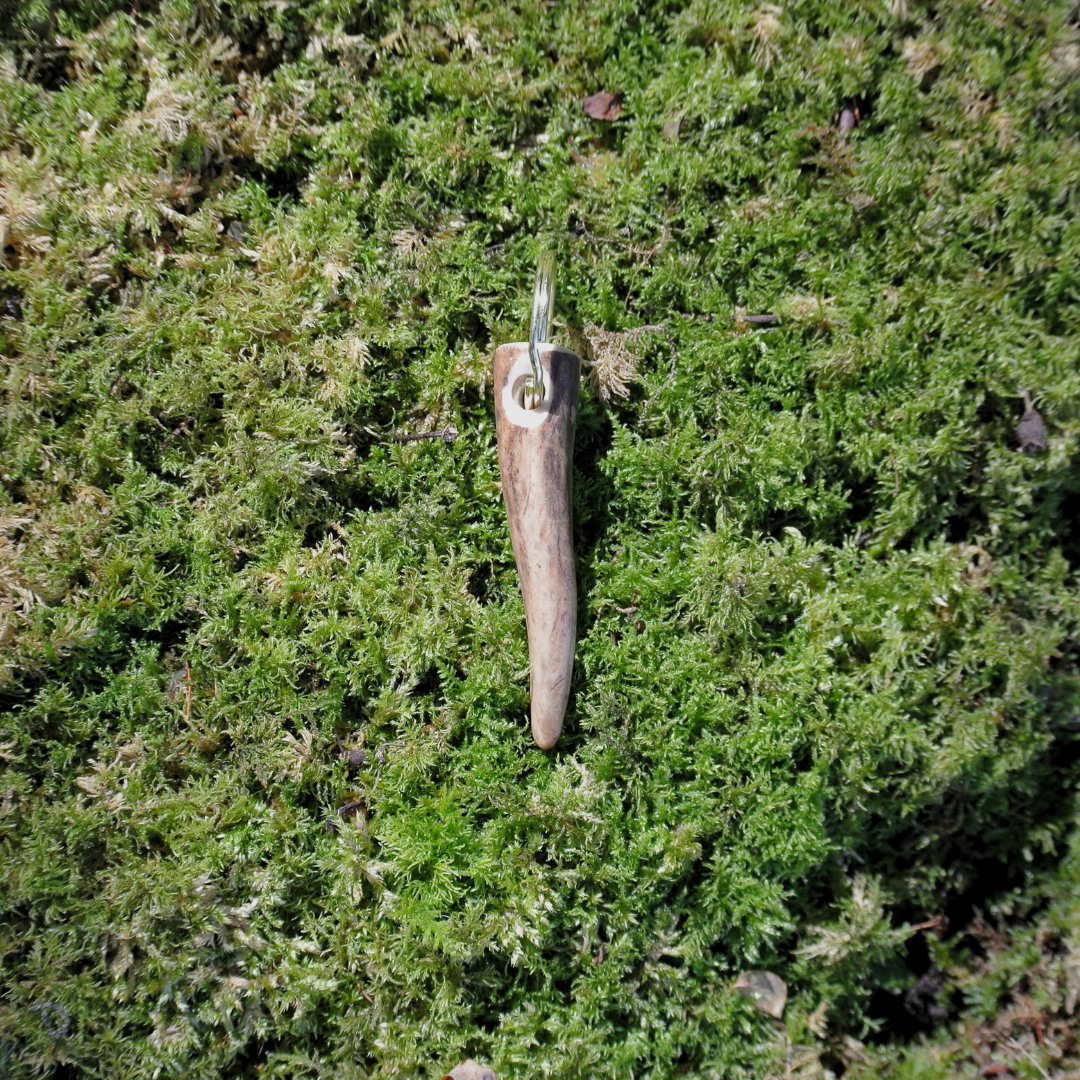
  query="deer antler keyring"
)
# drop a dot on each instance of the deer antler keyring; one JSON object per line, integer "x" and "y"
{"x": 536, "y": 395}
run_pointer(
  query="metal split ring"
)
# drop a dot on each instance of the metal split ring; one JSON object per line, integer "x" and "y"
{"x": 543, "y": 306}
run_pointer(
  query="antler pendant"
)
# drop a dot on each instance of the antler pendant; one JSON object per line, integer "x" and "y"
{"x": 536, "y": 449}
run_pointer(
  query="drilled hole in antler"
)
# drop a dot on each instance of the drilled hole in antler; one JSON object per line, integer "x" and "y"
{"x": 526, "y": 394}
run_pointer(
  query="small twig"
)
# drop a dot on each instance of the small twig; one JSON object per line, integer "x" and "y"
{"x": 448, "y": 435}
{"x": 183, "y": 187}
{"x": 631, "y": 610}
{"x": 187, "y": 706}
{"x": 930, "y": 924}
{"x": 626, "y": 245}
{"x": 764, "y": 319}
{"x": 1012, "y": 1044}
{"x": 179, "y": 431}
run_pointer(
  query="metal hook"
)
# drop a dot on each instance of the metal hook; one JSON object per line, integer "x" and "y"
{"x": 543, "y": 306}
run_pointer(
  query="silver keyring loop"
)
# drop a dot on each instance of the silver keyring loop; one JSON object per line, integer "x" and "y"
{"x": 543, "y": 306}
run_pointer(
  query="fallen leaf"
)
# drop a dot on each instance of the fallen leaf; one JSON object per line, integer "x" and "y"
{"x": 469, "y": 1070}
{"x": 603, "y": 105}
{"x": 1031, "y": 431}
{"x": 768, "y": 991}
{"x": 995, "y": 1068}
{"x": 670, "y": 131}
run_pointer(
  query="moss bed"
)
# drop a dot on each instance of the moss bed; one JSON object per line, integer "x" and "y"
{"x": 268, "y": 801}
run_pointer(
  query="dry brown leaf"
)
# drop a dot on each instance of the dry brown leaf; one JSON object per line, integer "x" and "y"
{"x": 767, "y": 989}
{"x": 605, "y": 105}
{"x": 1031, "y": 430}
{"x": 670, "y": 131}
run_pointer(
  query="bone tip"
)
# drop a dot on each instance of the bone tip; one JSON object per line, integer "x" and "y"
{"x": 546, "y": 735}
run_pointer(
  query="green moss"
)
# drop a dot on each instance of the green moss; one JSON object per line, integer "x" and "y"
{"x": 828, "y": 618}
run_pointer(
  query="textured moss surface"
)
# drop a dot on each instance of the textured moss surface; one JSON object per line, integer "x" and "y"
{"x": 826, "y": 679}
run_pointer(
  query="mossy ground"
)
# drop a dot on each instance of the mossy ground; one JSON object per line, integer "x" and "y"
{"x": 826, "y": 682}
